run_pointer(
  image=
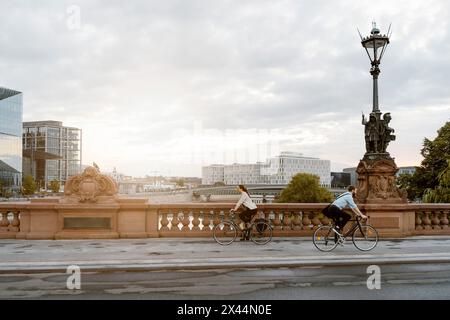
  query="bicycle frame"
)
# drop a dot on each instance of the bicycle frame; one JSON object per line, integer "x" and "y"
{"x": 352, "y": 229}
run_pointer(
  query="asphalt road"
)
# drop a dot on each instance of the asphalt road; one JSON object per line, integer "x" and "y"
{"x": 403, "y": 281}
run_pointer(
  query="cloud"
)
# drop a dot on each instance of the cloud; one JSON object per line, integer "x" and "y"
{"x": 136, "y": 74}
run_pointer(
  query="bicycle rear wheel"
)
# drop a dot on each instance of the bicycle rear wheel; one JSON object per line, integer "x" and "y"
{"x": 225, "y": 233}
{"x": 366, "y": 238}
{"x": 260, "y": 232}
{"x": 325, "y": 238}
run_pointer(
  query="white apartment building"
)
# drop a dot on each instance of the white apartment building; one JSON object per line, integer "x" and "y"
{"x": 277, "y": 170}
{"x": 244, "y": 174}
{"x": 212, "y": 174}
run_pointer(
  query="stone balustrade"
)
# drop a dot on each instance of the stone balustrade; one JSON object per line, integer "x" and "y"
{"x": 136, "y": 218}
{"x": 432, "y": 219}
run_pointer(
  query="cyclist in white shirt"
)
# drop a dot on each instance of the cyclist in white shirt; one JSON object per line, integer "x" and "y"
{"x": 250, "y": 208}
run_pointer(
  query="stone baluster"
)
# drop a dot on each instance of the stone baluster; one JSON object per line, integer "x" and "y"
{"x": 306, "y": 220}
{"x": 287, "y": 220}
{"x": 164, "y": 221}
{"x": 276, "y": 221}
{"x": 297, "y": 221}
{"x": 185, "y": 221}
{"x": 207, "y": 220}
{"x": 426, "y": 221}
{"x": 419, "y": 222}
{"x": 4, "y": 223}
{"x": 196, "y": 220}
{"x": 315, "y": 221}
{"x": 15, "y": 223}
{"x": 436, "y": 222}
{"x": 444, "y": 220}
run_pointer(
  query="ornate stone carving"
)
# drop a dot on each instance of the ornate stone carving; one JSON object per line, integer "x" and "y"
{"x": 376, "y": 182}
{"x": 89, "y": 186}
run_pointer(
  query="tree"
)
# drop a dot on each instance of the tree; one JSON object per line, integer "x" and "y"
{"x": 55, "y": 186}
{"x": 180, "y": 183}
{"x": 28, "y": 185}
{"x": 305, "y": 188}
{"x": 219, "y": 184}
{"x": 405, "y": 181}
{"x": 436, "y": 153}
{"x": 440, "y": 194}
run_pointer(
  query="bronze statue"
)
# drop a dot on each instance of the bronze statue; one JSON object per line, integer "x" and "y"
{"x": 378, "y": 134}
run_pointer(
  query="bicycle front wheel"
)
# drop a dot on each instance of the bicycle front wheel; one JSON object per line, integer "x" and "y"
{"x": 325, "y": 238}
{"x": 225, "y": 233}
{"x": 365, "y": 238}
{"x": 260, "y": 232}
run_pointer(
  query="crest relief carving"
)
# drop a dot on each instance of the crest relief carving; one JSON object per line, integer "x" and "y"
{"x": 377, "y": 182}
{"x": 90, "y": 187}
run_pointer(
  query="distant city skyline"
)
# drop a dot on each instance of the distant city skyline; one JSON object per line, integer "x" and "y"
{"x": 171, "y": 86}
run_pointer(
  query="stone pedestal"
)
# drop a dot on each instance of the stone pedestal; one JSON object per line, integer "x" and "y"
{"x": 377, "y": 180}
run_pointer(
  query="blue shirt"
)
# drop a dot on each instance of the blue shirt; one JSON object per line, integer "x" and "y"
{"x": 345, "y": 201}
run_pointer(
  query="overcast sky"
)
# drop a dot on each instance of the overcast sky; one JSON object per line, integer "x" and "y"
{"x": 169, "y": 86}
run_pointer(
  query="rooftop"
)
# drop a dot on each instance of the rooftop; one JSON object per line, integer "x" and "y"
{"x": 7, "y": 93}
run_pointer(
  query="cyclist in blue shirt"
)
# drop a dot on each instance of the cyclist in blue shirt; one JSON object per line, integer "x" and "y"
{"x": 342, "y": 202}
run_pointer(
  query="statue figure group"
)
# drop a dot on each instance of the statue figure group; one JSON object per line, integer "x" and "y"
{"x": 378, "y": 134}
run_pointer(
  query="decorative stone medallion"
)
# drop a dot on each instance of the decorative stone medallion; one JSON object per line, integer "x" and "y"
{"x": 89, "y": 186}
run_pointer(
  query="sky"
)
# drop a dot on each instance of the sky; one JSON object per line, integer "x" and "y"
{"x": 165, "y": 87}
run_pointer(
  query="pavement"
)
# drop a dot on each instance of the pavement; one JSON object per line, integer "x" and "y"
{"x": 47, "y": 256}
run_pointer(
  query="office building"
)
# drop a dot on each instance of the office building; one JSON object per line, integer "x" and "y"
{"x": 282, "y": 168}
{"x": 11, "y": 106}
{"x": 340, "y": 179}
{"x": 51, "y": 151}
{"x": 275, "y": 171}
{"x": 213, "y": 174}
{"x": 236, "y": 174}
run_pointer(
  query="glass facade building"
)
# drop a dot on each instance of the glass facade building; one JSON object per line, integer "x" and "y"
{"x": 52, "y": 152}
{"x": 11, "y": 106}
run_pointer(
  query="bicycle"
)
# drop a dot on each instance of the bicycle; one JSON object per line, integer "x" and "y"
{"x": 226, "y": 232}
{"x": 364, "y": 236}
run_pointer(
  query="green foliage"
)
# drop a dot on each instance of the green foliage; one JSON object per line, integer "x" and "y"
{"x": 180, "y": 183}
{"x": 28, "y": 185}
{"x": 219, "y": 184}
{"x": 436, "y": 154}
{"x": 55, "y": 186}
{"x": 305, "y": 188}
{"x": 440, "y": 194}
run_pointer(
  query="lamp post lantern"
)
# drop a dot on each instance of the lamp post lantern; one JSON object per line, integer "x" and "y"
{"x": 375, "y": 46}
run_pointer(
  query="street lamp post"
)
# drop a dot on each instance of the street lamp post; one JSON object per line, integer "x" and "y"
{"x": 376, "y": 171}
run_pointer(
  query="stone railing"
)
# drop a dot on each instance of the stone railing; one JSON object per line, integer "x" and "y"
{"x": 175, "y": 220}
{"x": 136, "y": 218}
{"x": 432, "y": 219}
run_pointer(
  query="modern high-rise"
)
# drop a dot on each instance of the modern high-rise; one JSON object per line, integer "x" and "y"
{"x": 276, "y": 171}
{"x": 11, "y": 107}
{"x": 52, "y": 152}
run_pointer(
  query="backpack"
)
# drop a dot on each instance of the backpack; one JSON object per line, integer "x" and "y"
{"x": 327, "y": 208}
